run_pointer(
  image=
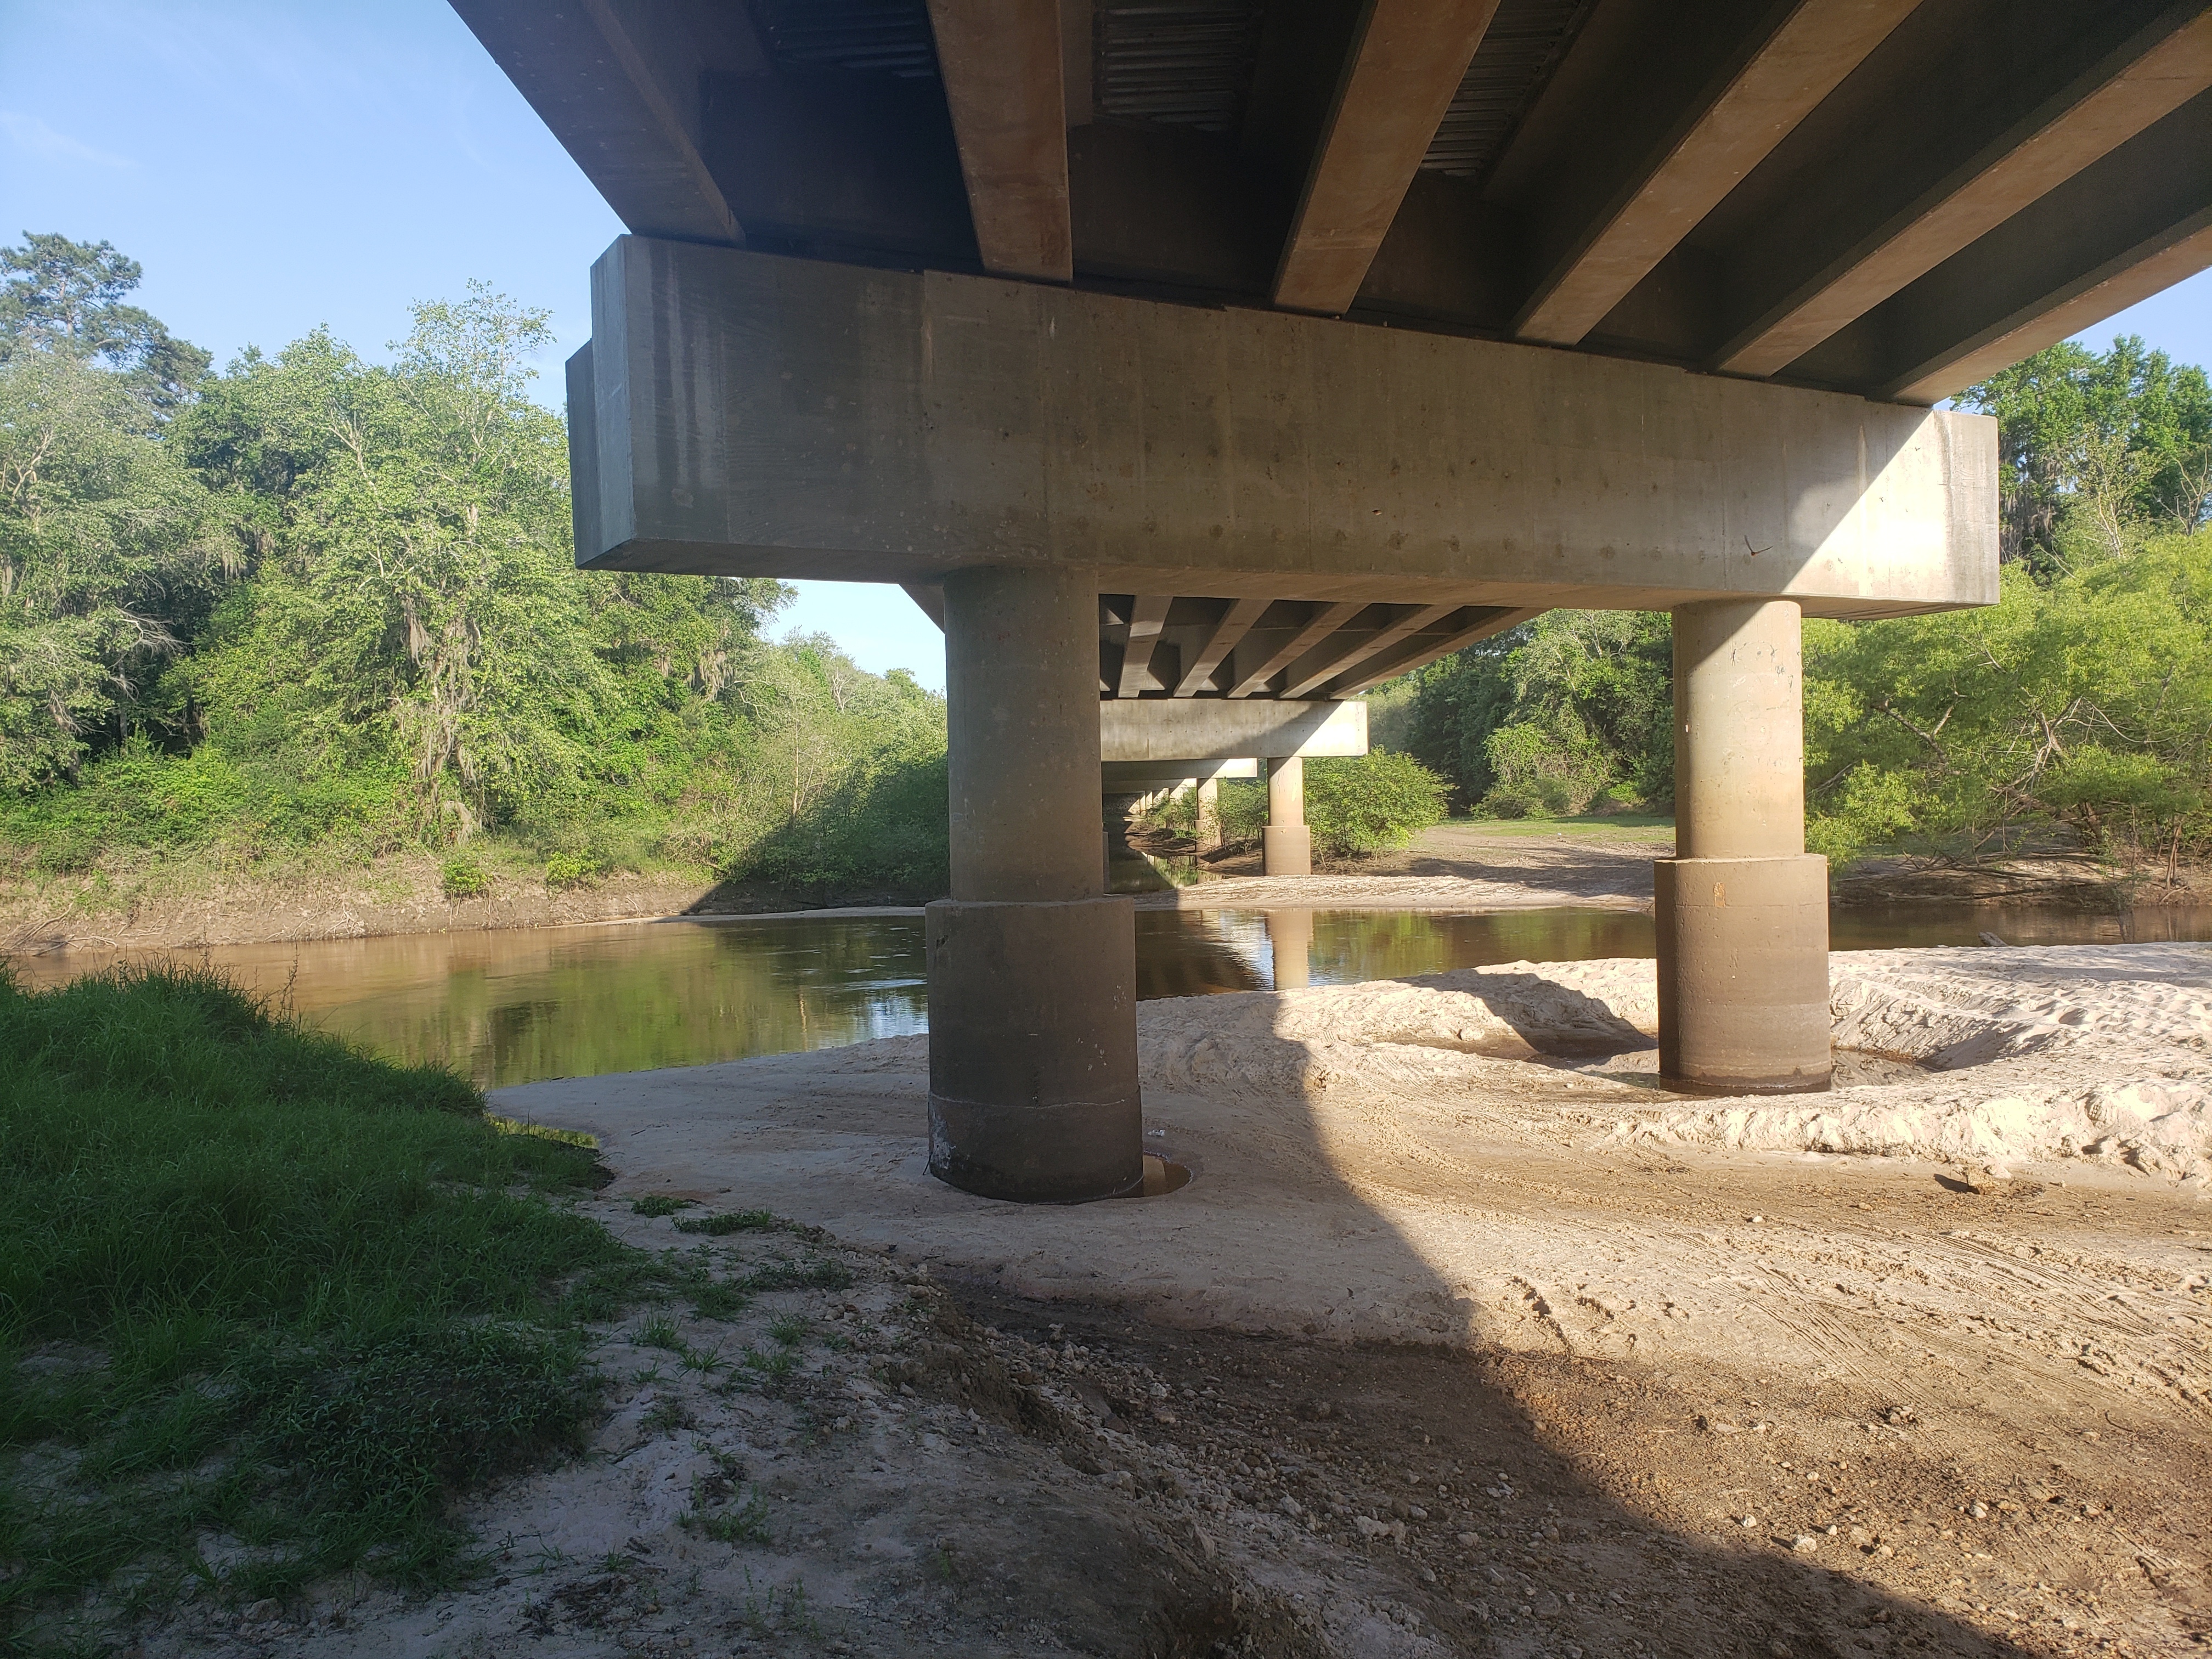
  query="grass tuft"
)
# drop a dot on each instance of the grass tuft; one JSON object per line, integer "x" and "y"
{"x": 739, "y": 1221}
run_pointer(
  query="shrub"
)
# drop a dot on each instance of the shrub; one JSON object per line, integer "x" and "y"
{"x": 1539, "y": 776}
{"x": 1244, "y": 810}
{"x": 883, "y": 829}
{"x": 463, "y": 878}
{"x": 566, "y": 869}
{"x": 1363, "y": 802}
{"x": 1354, "y": 803}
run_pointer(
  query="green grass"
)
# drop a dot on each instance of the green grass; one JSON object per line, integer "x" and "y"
{"x": 739, "y": 1221}
{"x": 261, "y": 1290}
{"x": 744, "y": 1522}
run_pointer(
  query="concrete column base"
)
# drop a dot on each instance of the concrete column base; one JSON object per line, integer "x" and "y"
{"x": 1033, "y": 1049}
{"x": 1743, "y": 973}
{"x": 1286, "y": 851}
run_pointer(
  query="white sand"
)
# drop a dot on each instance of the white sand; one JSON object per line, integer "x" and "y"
{"x": 1354, "y": 1180}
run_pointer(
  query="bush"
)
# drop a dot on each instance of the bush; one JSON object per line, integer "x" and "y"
{"x": 1363, "y": 802}
{"x": 463, "y": 878}
{"x": 1243, "y": 810}
{"x": 884, "y": 829}
{"x": 1354, "y": 803}
{"x": 1537, "y": 776}
{"x": 566, "y": 869}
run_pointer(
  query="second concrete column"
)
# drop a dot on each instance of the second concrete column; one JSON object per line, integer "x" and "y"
{"x": 1742, "y": 910}
{"x": 1286, "y": 845}
{"x": 1032, "y": 969}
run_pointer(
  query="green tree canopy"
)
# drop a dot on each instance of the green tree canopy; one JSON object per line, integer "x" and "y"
{"x": 106, "y": 567}
{"x": 327, "y": 597}
{"x": 1546, "y": 718}
{"x": 2104, "y": 440}
{"x": 67, "y": 298}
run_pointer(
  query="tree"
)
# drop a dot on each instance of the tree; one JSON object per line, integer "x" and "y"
{"x": 1548, "y": 717}
{"x": 66, "y": 298}
{"x": 106, "y": 565}
{"x": 2121, "y": 440}
{"x": 2085, "y": 702}
{"x": 340, "y": 600}
{"x": 416, "y": 596}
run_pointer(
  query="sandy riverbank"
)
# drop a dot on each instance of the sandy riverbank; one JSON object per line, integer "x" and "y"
{"x": 1465, "y": 1339}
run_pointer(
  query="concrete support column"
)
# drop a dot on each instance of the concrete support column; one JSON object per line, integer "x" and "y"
{"x": 1032, "y": 969}
{"x": 1286, "y": 845}
{"x": 1742, "y": 910}
{"x": 1207, "y": 831}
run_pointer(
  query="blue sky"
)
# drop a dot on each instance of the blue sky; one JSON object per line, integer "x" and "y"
{"x": 276, "y": 166}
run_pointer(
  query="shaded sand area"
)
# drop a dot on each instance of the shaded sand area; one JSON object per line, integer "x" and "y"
{"x": 1465, "y": 1338}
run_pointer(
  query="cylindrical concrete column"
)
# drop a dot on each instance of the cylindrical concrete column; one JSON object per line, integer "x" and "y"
{"x": 1742, "y": 910}
{"x": 1032, "y": 968}
{"x": 1286, "y": 845}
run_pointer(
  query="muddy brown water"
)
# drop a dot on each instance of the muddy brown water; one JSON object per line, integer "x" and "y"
{"x": 518, "y": 1006}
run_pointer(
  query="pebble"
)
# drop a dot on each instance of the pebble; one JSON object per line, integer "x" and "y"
{"x": 1747, "y": 1521}
{"x": 1978, "y": 1509}
{"x": 264, "y": 1610}
{"x": 1469, "y": 1540}
{"x": 1804, "y": 1543}
{"x": 1119, "y": 1479}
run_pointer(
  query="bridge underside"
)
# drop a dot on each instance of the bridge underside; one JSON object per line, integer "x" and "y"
{"x": 1191, "y": 355}
{"x": 1160, "y": 644}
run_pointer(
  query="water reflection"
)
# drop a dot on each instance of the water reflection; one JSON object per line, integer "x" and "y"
{"x": 521, "y": 1005}
{"x": 1923, "y": 922}
{"x": 516, "y": 1006}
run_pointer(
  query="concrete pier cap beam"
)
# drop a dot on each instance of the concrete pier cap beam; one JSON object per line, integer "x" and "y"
{"x": 1741, "y": 911}
{"x": 1033, "y": 1092}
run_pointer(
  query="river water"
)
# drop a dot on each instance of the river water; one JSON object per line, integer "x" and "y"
{"x": 514, "y": 1006}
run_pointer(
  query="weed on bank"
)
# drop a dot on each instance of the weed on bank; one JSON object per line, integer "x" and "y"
{"x": 267, "y": 1304}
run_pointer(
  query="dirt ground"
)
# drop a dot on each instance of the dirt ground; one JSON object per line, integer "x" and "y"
{"x": 914, "y": 1463}
{"x": 1450, "y": 866}
{"x": 1491, "y": 866}
{"x": 1458, "y": 866}
{"x": 174, "y": 906}
{"x": 1465, "y": 1337}
{"x": 177, "y": 907}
